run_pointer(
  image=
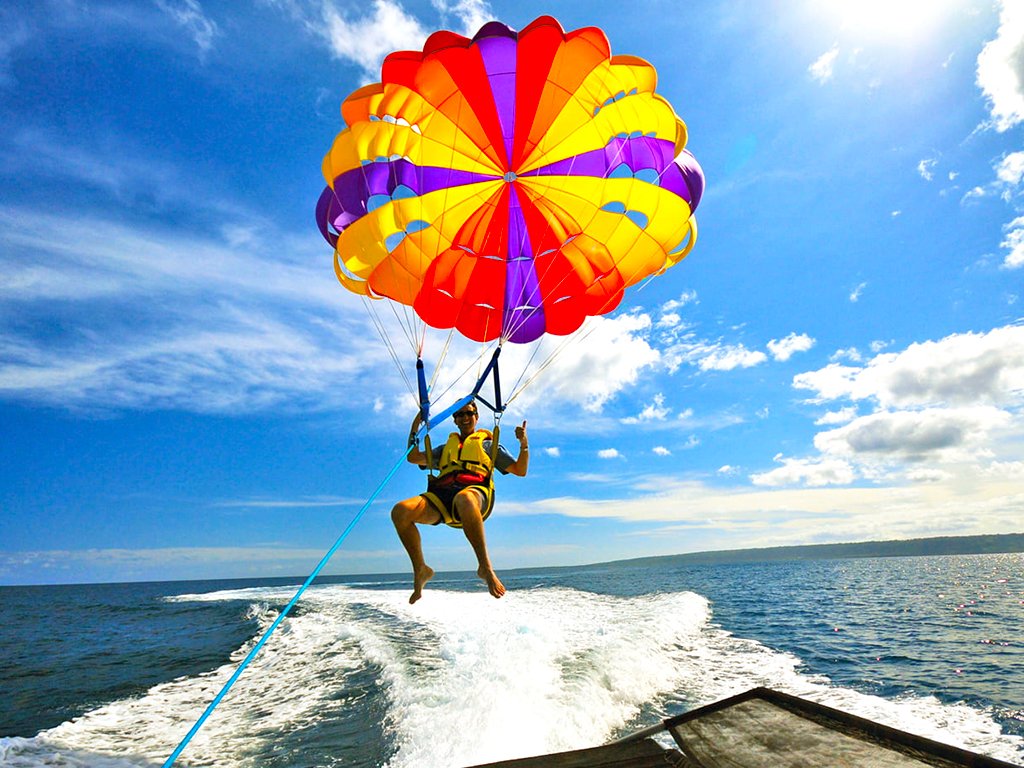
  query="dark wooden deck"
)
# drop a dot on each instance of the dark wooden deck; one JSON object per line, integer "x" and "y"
{"x": 763, "y": 728}
{"x": 635, "y": 754}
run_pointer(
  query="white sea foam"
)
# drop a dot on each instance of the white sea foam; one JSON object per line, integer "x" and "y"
{"x": 467, "y": 679}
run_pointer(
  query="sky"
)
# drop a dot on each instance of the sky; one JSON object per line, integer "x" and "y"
{"x": 187, "y": 392}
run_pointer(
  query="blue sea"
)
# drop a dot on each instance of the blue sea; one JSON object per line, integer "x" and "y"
{"x": 115, "y": 675}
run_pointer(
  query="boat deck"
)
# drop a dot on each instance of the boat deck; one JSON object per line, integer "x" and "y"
{"x": 645, "y": 753}
{"x": 763, "y": 728}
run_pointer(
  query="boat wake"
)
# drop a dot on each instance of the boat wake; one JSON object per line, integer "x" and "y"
{"x": 358, "y": 677}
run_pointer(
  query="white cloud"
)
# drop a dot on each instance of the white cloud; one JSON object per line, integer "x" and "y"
{"x": 685, "y": 415}
{"x": 661, "y": 450}
{"x": 728, "y": 469}
{"x": 933, "y": 435}
{"x": 126, "y": 171}
{"x": 553, "y": 451}
{"x": 1014, "y": 243}
{"x": 713, "y": 356}
{"x": 823, "y": 67}
{"x": 1007, "y": 470}
{"x": 850, "y": 353}
{"x": 366, "y": 40}
{"x": 607, "y": 356}
{"x": 1000, "y": 72}
{"x": 973, "y": 193}
{"x": 14, "y": 33}
{"x": 944, "y": 408}
{"x": 928, "y": 475}
{"x": 842, "y": 416}
{"x": 384, "y": 26}
{"x": 783, "y": 349}
{"x": 655, "y": 411}
{"x": 1009, "y": 175}
{"x": 113, "y": 564}
{"x": 593, "y": 477}
{"x": 855, "y": 294}
{"x": 1010, "y": 169}
{"x": 711, "y": 517}
{"x": 473, "y": 14}
{"x": 686, "y": 297}
{"x": 189, "y": 15}
{"x": 961, "y": 369}
{"x": 926, "y": 168}
{"x": 729, "y": 357}
{"x": 246, "y": 364}
{"x": 609, "y": 453}
{"x": 208, "y": 332}
{"x": 812, "y": 473}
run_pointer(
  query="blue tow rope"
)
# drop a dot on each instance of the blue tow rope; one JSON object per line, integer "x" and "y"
{"x": 281, "y": 616}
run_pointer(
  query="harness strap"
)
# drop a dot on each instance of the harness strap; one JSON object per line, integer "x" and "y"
{"x": 430, "y": 453}
{"x": 494, "y": 447}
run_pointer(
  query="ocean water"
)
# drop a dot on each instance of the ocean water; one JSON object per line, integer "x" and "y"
{"x": 115, "y": 675}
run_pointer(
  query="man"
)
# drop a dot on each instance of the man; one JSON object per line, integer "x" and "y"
{"x": 461, "y": 496}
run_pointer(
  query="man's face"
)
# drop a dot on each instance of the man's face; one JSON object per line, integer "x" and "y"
{"x": 465, "y": 419}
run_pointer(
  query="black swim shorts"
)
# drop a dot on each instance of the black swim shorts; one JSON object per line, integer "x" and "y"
{"x": 441, "y": 493}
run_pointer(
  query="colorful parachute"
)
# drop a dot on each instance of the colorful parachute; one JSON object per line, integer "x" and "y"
{"x": 510, "y": 185}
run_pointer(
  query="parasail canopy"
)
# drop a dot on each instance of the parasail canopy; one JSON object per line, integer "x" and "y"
{"x": 510, "y": 185}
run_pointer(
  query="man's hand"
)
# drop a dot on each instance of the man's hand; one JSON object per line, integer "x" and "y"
{"x": 521, "y": 434}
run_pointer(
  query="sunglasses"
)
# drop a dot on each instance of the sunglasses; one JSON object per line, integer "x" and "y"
{"x": 463, "y": 414}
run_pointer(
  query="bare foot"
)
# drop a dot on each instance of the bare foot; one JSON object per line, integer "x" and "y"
{"x": 494, "y": 585}
{"x": 419, "y": 579}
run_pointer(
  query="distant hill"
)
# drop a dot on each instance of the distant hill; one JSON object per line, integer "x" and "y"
{"x": 939, "y": 545}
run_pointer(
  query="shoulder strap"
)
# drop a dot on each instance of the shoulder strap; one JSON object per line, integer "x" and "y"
{"x": 430, "y": 453}
{"x": 494, "y": 447}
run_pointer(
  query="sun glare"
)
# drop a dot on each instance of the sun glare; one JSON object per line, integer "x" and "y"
{"x": 892, "y": 19}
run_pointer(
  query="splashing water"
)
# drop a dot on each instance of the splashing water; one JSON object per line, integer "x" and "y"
{"x": 358, "y": 677}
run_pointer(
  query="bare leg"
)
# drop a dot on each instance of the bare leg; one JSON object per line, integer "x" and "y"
{"x": 405, "y": 515}
{"x": 468, "y": 505}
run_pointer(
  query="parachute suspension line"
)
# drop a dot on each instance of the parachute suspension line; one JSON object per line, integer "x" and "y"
{"x": 474, "y": 362}
{"x": 645, "y": 282}
{"x": 379, "y": 327}
{"x": 534, "y": 296}
{"x": 406, "y": 322}
{"x": 517, "y": 389}
{"x": 284, "y": 612}
{"x": 579, "y": 335}
{"x": 406, "y": 319}
{"x": 441, "y": 358}
{"x": 533, "y": 356}
{"x": 421, "y": 344}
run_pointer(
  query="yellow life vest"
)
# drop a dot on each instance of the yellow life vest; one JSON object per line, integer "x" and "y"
{"x": 466, "y": 455}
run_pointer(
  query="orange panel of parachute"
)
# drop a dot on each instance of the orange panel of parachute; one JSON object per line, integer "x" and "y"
{"x": 509, "y": 185}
